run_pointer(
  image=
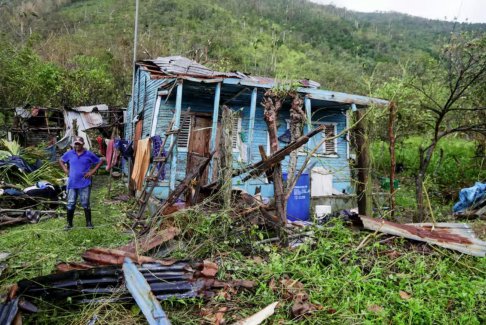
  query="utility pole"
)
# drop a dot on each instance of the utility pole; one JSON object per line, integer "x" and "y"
{"x": 135, "y": 39}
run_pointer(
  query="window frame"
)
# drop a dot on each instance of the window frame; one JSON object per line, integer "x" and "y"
{"x": 323, "y": 152}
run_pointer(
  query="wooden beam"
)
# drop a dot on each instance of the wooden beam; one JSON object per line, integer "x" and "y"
{"x": 268, "y": 172}
{"x": 308, "y": 114}
{"x": 214, "y": 127}
{"x": 178, "y": 108}
{"x": 261, "y": 166}
{"x": 363, "y": 189}
{"x": 251, "y": 125}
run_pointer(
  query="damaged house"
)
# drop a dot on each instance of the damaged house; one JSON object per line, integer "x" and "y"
{"x": 33, "y": 125}
{"x": 166, "y": 87}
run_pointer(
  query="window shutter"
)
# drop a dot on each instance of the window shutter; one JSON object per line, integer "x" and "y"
{"x": 236, "y": 133}
{"x": 330, "y": 145}
{"x": 183, "y": 138}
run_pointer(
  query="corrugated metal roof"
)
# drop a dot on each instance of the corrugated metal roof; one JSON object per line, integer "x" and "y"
{"x": 184, "y": 68}
{"x": 456, "y": 236}
{"x": 181, "y": 66}
{"x": 178, "y": 66}
{"x": 89, "y": 109}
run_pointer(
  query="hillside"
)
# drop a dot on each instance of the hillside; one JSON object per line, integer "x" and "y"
{"x": 282, "y": 38}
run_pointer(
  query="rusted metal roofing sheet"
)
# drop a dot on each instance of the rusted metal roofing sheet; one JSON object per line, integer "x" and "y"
{"x": 150, "y": 241}
{"x": 455, "y": 236}
{"x": 179, "y": 280}
{"x": 106, "y": 256}
{"x": 141, "y": 292}
{"x": 181, "y": 67}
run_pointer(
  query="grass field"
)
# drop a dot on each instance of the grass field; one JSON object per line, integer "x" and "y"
{"x": 350, "y": 276}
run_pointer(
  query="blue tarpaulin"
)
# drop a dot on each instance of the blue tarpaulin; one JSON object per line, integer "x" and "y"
{"x": 21, "y": 164}
{"x": 469, "y": 196}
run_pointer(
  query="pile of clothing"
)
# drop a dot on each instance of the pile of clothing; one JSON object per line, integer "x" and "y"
{"x": 41, "y": 189}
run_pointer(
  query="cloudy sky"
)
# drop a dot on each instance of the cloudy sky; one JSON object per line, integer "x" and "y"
{"x": 473, "y": 11}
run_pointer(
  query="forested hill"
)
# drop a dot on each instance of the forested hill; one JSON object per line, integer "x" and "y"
{"x": 81, "y": 51}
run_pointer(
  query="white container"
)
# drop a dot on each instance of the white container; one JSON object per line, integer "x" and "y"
{"x": 321, "y": 182}
{"x": 323, "y": 210}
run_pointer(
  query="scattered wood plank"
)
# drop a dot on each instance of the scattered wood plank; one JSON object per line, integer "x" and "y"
{"x": 260, "y": 316}
{"x": 106, "y": 256}
{"x": 150, "y": 241}
{"x": 138, "y": 286}
{"x": 176, "y": 193}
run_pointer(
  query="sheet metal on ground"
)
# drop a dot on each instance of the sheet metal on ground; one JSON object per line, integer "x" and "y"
{"x": 455, "y": 236}
{"x": 141, "y": 292}
{"x": 180, "y": 280}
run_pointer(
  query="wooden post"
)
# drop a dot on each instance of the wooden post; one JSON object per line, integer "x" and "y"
{"x": 214, "y": 128}
{"x": 308, "y": 114}
{"x": 177, "y": 118}
{"x": 391, "y": 134}
{"x": 251, "y": 125}
{"x": 226, "y": 155}
{"x": 363, "y": 190}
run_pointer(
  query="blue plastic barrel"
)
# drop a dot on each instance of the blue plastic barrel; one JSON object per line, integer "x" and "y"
{"x": 298, "y": 204}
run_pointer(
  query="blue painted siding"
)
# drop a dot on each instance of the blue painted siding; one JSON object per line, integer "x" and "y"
{"x": 146, "y": 92}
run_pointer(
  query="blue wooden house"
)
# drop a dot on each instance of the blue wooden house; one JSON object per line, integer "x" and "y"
{"x": 166, "y": 87}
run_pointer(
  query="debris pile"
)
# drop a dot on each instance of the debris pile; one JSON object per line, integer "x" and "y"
{"x": 29, "y": 192}
{"x": 110, "y": 275}
{"x": 472, "y": 202}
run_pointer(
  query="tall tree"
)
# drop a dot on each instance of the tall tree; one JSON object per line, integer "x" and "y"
{"x": 445, "y": 92}
{"x": 272, "y": 103}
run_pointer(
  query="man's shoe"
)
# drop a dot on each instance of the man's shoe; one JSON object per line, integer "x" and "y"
{"x": 70, "y": 217}
{"x": 87, "y": 214}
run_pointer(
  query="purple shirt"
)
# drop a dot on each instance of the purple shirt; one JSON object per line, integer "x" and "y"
{"x": 78, "y": 166}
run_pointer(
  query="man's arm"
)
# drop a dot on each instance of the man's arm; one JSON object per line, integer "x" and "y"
{"x": 64, "y": 166}
{"x": 95, "y": 168}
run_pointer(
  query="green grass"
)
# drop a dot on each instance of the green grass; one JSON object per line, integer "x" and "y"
{"x": 445, "y": 287}
{"x": 36, "y": 249}
{"x": 459, "y": 165}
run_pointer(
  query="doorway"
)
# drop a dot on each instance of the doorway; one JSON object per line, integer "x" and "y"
{"x": 199, "y": 139}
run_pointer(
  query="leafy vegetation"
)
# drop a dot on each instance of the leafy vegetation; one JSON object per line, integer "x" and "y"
{"x": 58, "y": 53}
{"x": 71, "y": 52}
{"x": 376, "y": 282}
{"x": 455, "y": 166}
{"x": 36, "y": 249}
{"x": 46, "y": 171}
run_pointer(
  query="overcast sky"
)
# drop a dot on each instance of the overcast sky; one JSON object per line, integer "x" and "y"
{"x": 472, "y": 10}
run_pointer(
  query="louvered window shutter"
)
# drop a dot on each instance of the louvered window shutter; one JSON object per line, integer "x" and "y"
{"x": 236, "y": 131}
{"x": 183, "y": 138}
{"x": 330, "y": 145}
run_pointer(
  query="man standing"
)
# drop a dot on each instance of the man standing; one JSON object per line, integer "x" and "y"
{"x": 79, "y": 174}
